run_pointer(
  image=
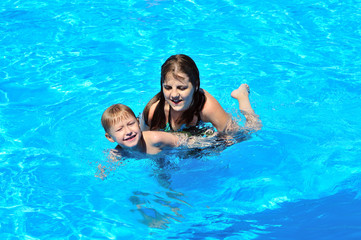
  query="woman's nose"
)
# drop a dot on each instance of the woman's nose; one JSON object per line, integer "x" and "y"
{"x": 174, "y": 93}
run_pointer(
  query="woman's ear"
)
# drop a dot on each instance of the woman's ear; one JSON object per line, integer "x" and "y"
{"x": 109, "y": 137}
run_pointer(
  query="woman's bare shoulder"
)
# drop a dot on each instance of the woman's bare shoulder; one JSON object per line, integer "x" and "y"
{"x": 152, "y": 109}
{"x": 211, "y": 104}
{"x": 214, "y": 113}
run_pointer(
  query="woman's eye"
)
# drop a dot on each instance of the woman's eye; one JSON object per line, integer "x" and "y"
{"x": 167, "y": 87}
{"x": 182, "y": 88}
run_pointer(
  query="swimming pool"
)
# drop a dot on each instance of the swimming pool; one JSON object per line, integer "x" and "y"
{"x": 64, "y": 62}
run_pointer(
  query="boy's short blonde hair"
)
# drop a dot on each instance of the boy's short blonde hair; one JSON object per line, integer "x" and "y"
{"x": 114, "y": 114}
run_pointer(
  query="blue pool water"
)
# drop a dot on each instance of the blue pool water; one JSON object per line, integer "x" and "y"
{"x": 63, "y": 62}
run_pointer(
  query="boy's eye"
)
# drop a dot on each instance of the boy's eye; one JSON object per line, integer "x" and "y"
{"x": 119, "y": 129}
{"x": 131, "y": 123}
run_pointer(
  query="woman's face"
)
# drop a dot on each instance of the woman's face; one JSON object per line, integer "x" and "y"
{"x": 178, "y": 91}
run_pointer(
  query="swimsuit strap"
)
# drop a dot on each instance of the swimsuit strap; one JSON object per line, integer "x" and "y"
{"x": 169, "y": 121}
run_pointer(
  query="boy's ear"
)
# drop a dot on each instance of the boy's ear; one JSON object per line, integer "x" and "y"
{"x": 109, "y": 137}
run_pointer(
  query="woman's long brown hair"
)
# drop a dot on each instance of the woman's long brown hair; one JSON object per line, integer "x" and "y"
{"x": 186, "y": 65}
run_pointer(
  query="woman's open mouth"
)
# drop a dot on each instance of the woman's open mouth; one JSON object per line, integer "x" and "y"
{"x": 176, "y": 102}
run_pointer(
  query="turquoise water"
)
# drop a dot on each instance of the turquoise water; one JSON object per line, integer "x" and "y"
{"x": 63, "y": 62}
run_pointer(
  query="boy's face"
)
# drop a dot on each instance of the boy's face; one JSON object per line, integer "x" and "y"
{"x": 126, "y": 132}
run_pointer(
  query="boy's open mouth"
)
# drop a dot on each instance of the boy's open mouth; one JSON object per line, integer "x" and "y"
{"x": 130, "y": 137}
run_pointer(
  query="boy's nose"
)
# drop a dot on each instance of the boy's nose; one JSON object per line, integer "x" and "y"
{"x": 128, "y": 131}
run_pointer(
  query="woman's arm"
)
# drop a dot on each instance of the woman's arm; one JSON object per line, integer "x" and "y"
{"x": 214, "y": 113}
{"x": 156, "y": 141}
{"x": 163, "y": 140}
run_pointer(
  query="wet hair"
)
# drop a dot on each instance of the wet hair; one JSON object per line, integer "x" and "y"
{"x": 114, "y": 114}
{"x": 175, "y": 64}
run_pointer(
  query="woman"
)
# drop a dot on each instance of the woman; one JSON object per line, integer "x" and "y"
{"x": 182, "y": 104}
